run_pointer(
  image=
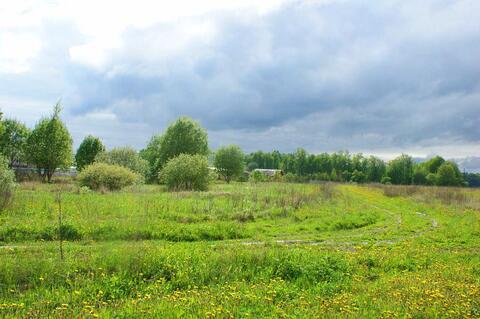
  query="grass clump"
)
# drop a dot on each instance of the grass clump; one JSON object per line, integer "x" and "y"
{"x": 112, "y": 177}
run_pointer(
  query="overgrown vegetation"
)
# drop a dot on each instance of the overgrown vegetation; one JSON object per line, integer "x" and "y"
{"x": 242, "y": 250}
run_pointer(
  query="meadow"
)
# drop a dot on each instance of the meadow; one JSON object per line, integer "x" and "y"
{"x": 241, "y": 250}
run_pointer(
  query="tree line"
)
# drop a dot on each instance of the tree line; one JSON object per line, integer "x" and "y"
{"x": 48, "y": 147}
{"x": 345, "y": 167}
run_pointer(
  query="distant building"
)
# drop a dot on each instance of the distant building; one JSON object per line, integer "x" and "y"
{"x": 269, "y": 172}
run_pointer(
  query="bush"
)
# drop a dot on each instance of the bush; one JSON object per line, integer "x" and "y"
{"x": 186, "y": 172}
{"x": 386, "y": 180}
{"x": 257, "y": 177}
{"x": 111, "y": 177}
{"x": 126, "y": 157}
{"x": 7, "y": 184}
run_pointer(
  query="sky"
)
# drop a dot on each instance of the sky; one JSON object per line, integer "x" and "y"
{"x": 378, "y": 77}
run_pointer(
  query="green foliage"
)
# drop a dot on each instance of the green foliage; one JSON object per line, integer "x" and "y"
{"x": 242, "y": 251}
{"x": 386, "y": 180}
{"x": 375, "y": 169}
{"x": 290, "y": 178}
{"x": 186, "y": 172}
{"x": 448, "y": 174}
{"x": 13, "y": 141}
{"x": 400, "y": 170}
{"x": 112, "y": 177}
{"x": 472, "y": 179}
{"x": 126, "y": 157}
{"x": 252, "y": 166}
{"x": 87, "y": 151}
{"x": 229, "y": 162}
{"x": 7, "y": 184}
{"x": 49, "y": 146}
{"x": 301, "y": 164}
{"x": 420, "y": 175}
{"x": 431, "y": 179}
{"x": 358, "y": 177}
{"x": 433, "y": 164}
{"x": 185, "y": 136}
{"x": 150, "y": 154}
{"x": 257, "y": 177}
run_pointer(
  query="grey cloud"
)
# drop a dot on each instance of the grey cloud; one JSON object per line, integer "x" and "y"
{"x": 349, "y": 74}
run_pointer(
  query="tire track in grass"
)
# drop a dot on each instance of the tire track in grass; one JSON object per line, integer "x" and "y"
{"x": 347, "y": 245}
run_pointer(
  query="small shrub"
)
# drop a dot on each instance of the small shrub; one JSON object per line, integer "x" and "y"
{"x": 7, "y": 184}
{"x": 386, "y": 180}
{"x": 112, "y": 177}
{"x": 257, "y": 177}
{"x": 186, "y": 172}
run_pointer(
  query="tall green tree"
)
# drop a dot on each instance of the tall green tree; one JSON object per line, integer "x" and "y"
{"x": 433, "y": 164}
{"x": 229, "y": 162}
{"x": 150, "y": 154}
{"x": 90, "y": 147}
{"x": 375, "y": 169}
{"x": 184, "y": 136}
{"x": 301, "y": 164}
{"x": 13, "y": 141}
{"x": 400, "y": 170}
{"x": 448, "y": 174}
{"x": 49, "y": 146}
{"x": 420, "y": 175}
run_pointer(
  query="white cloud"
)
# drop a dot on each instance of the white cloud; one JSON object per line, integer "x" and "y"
{"x": 102, "y": 23}
{"x": 17, "y": 50}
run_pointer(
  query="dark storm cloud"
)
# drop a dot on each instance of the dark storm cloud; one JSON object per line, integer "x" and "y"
{"x": 348, "y": 74}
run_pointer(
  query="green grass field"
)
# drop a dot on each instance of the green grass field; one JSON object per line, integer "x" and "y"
{"x": 242, "y": 251}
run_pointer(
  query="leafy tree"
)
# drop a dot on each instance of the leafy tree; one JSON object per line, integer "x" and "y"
{"x": 150, "y": 154}
{"x": 358, "y": 177}
{"x": 13, "y": 141}
{"x": 126, "y": 157}
{"x": 431, "y": 179}
{"x": 186, "y": 172}
{"x": 375, "y": 169}
{"x": 324, "y": 163}
{"x": 301, "y": 162}
{"x": 229, "y": 162}
{"x": 433, "y": 164}
{"x": 448, "y": 174}
{"x": 87, "y": 151}
{"x": 386, "y": 180}
{"x": 49, "y": 146}
{"x": 252, "y": 166}
{"x": 472, "y": 179}
{"x": 185, "y": 136}
{"x": 400, "y": 170}
{"x": 420, "y": 175}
